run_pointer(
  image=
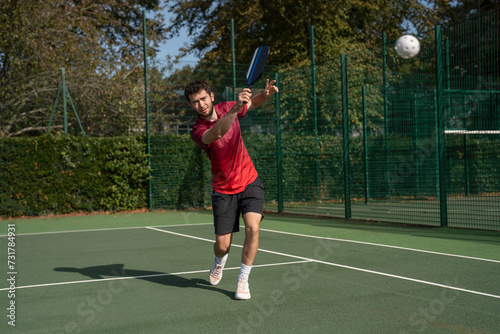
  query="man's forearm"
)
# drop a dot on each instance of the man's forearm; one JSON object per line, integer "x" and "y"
{"x": 221, "y": 127}
{"x": 259, "y": 100}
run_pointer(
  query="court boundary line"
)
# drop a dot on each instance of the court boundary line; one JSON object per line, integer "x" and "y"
{"x": 156, "y": 228}
{"x": 105, "y": 229}
{"x": 345, "y": 266}
{"x": 303, "y": 260}
{"x": 266, "y": 230}
{"x": 383, "y": 245}
{"x": 144, "y": 276}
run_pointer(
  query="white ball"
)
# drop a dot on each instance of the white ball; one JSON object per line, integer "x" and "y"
{"x": 407, "y": 46}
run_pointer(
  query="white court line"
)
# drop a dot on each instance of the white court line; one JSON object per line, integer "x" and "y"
{"x": 145, "y": 276}
{"x": 271, "y": 252}
{"x": 343, "y": 266}
{"x": 262, "y": 229}
{"x": 105, "y": 229}
{"x": 382, "y": 245}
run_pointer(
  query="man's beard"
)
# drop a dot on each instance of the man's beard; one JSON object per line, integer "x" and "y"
{"x": 211, "y": 112}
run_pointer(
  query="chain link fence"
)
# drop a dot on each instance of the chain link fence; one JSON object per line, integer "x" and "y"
{"x": 368, "y": 135}
{"x": 418, "y": 138}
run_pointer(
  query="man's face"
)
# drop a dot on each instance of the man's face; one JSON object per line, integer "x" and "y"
{"x": 202, "y": 103}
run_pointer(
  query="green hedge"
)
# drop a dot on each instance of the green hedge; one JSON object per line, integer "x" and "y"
{"x": 180, "y": 172}
{"x": 56, "y": 174}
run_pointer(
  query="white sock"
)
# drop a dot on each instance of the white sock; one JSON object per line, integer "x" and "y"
{"x": 245, "y": 271}
{"x": 221, "y": 260}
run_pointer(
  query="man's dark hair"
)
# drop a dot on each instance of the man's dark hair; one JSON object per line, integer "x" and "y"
{"x": 195, "y": 87}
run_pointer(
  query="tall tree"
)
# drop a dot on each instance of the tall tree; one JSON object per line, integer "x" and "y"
{"x": 340, "y": 26}
{"x": 449, "y": 11}
{"x": 98, "y": 42}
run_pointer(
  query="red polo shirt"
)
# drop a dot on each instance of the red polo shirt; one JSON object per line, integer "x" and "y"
{"x": 232, "y": 168}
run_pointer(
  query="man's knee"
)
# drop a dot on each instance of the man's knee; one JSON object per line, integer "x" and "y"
{"x": 223, "y": 243}
{"x": 252, "y": 222}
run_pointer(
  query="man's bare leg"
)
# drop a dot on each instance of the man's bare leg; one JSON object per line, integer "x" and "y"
{"x": 250, "y": 247}
{"x": 222, "y": 246}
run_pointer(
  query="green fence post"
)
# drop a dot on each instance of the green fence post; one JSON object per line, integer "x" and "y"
{"x": 345, "y": 123}
{"x": 65, "y": 92}
{"x": 466, "y": 167}
{"x": 436, "y": 144}
{"x": 447, "y": 62}
{"x": 146, "y": 101}
{"x": 55, "y": 105}
{"x": 441, "y": 126}
{"x": 65, "y": 109}
{"x": 74, "y": 111}
{"x": 365, "y": 146}
{"x": 279, "y": 167}
{"x": 386, "y": 116}
{"x": 415, "y": 146}
{"x": 466, "y": 150}
{"x": 233, "y": 60}
{"x": 315, "y": 113}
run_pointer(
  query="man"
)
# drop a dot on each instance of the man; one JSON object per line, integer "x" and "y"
{"x": 237, "y": 187}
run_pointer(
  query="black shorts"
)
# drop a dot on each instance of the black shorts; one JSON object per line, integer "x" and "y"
{"x": 227, "y": 208}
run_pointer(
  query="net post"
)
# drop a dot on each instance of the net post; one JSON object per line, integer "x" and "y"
{"x": 441, "y": 126}
{"x": 345, "y": 123}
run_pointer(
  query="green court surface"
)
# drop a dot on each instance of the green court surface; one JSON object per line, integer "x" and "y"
{"x": 148, "y": 273}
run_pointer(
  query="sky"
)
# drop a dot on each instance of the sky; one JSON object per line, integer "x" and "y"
{"x": 171, "y": 47}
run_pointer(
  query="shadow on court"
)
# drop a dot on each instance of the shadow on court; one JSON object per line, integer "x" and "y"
{"x": 118, "y": 270}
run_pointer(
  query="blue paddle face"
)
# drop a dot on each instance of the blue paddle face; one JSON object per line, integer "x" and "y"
{"x": 257, "y": 64}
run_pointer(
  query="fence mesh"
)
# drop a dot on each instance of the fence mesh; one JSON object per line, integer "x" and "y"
{"x": 422, "y": 148}
{"x": 180, "y": 170}
{"x": 367, "y": 136}
{"x": 471, "y": 60}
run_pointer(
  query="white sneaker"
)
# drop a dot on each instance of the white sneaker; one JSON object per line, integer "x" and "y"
{"x": 215, "y": 273}
{"x": 242, "y": 289}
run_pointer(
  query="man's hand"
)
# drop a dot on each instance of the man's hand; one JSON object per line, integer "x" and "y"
{"x": 270, "y": 88}
{"x": 259, "y": 99}
{"x": 244, "y": 97}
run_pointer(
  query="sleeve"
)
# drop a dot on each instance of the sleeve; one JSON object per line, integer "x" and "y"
{"x": 243, "y": 111}
{"x": 197, "y": 133}
{"x": 224, "y": 107}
